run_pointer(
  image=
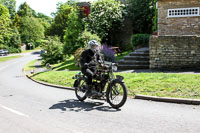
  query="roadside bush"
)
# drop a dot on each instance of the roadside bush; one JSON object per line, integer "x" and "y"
{"x": 73, "y": 31}
{"x": 53, "y": 51}
{"x": 14, "y": 50}
{"x": 108, "y": 53}
{"x": 77, "y": 56}
{"x": 106, "y": 18}
{"x": 140, "y": 40}
{"x": 86, "y": 36}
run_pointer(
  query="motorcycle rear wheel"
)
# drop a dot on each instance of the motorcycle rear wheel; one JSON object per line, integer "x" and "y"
{"x": 117, "y": 94}
{"x": 80, "y": 89}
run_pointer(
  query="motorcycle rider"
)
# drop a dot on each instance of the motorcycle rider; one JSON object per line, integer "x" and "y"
{"x": 89, "y": 59}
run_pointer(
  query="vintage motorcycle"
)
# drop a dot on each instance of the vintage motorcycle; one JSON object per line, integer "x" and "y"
{"x": 105, "y": 86}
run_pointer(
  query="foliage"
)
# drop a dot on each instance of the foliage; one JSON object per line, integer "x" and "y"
{"x": 108, "y": 53}
{"x": 11, "y": 5}
{"x": 30, "y": 29}
{"x": 59, "y": 24}
{"x": 45, "y": 21}
{"x": 53, "y": 51}
{"x": 25, "y": 10}
{"x": 73, "y": 31}
{"x": 155, "y": 18}
{"x": 140, "y": 40}
{"x": 13, "y": 50}
{"x": 106, "y": 16}
{"x": 15, "y": 40}
{"x": 4, "y": 23}
{"x": 16, "y": 21}
{"x": 141, "y": 13}
{"x": 77, "y": 56}
{"x": 85, "y": 37}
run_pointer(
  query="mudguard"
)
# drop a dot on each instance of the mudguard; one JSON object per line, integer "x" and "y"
{"x": 121, "y": 78}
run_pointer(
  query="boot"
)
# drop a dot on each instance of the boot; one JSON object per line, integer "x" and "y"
{"x": 89, "y": 92}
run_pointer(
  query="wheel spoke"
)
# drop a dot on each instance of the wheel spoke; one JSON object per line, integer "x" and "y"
{"x": 115, "y": 96}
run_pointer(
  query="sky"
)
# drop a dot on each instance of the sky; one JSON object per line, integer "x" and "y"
{"x": 43, "y": 6}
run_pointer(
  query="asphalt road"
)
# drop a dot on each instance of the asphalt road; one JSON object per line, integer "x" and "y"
{"x": 28, "y": 107}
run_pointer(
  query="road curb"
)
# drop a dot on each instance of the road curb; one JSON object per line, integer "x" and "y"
{"x": 47, "y": 84}
{"x": 169, "y": 99}
{"x": 137, "y": 96}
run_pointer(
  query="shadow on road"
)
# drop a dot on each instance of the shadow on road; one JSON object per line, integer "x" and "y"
{"x": 77, "y": 106}
{"x": 36, "y": 52}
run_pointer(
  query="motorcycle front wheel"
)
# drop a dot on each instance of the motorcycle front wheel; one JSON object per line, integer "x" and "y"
{"x": 80, "y": 89}
{"x": 117, "y": 94}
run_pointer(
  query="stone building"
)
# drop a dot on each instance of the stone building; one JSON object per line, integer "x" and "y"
{"x": 177, "y": 45}
{"x": 178, "y": 17}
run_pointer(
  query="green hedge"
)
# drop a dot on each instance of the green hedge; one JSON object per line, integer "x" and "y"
{"x": 140, "y": 40}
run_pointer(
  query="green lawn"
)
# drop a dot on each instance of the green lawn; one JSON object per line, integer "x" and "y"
{"x": 69, "y": 64}
{"x": 30, "y": 66}
{"x": 153, "y": 84}
{"x": 2, "y": 59}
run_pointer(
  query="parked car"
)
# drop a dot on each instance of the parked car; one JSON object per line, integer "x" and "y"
{"x": 4, "y": 52}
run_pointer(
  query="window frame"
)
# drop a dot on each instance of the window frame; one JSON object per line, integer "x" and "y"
{"x": 183, "y": 12}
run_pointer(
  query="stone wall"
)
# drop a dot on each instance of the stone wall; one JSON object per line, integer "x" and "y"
{"x": 174, "y": 52}
{"x": 178, "y": 25}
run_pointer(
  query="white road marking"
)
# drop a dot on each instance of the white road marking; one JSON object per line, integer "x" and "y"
{"x": 14, "y": 111}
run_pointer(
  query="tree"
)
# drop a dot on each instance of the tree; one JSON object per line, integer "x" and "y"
{"x": 73, "y": 31}
{"x": 15, "y": 39}
{"x": 4, "y": 26}
{"x": 141, "y": 13}
{"x": 16, "y": 21}
{"x": 11, "y": 5}
{"x": 105, "y": 18}
{"x": 25, "y": 10}
{"x": 46, "y": 21}
{"x": 60, "y": 22}
{"x": 30, "y": 29}
{"x": 54, "y": 50}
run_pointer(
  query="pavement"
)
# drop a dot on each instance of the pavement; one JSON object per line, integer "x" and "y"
{"x": 137, "y": 96}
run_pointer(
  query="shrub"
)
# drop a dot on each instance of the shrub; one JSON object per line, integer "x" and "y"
{"x": 73, "y": 31}
{"x": 86, "y": 36}
{"x": 106, "y": 18}
{"x": 140, "y": 40}
{"x": 141, "y": 13}
{"x": 109, "y": 54}
{"x": 77, "y": 56}
{"x": 53, "y": 51}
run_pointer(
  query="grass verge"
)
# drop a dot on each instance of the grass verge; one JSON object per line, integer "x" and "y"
{"x": 30, "y": 66}
{"x": 69, "y": 64}
{"x": 153, "y": 84}
{"x": 9, "y": 58}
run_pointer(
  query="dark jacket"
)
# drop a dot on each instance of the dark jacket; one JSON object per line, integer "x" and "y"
{"x": 87, "y": 56}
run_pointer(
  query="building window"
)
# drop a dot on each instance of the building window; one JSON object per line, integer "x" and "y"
{"x": 183, "y": 12}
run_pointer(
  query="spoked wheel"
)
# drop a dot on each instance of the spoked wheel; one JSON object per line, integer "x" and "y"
{"x": 80, "y": 89}
{"x": 117, "y": 94}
